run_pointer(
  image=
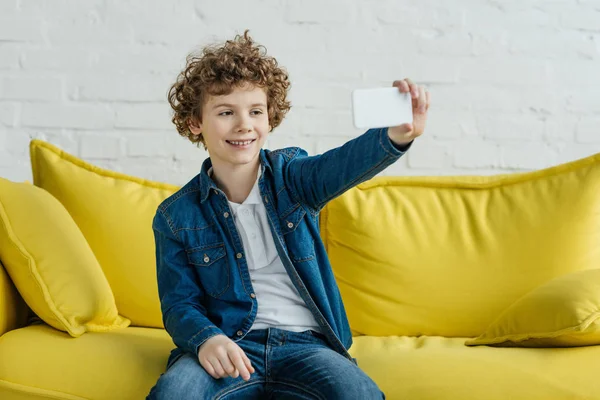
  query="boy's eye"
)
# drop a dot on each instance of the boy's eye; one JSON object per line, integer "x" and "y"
{"x": 256, "y": 112}
{"x": 226, "y": 113}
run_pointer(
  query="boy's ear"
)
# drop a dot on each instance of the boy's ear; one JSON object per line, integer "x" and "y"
{"x": 195, "y": 126}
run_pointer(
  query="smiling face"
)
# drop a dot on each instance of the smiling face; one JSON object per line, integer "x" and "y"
{"x": 234, "y": 126}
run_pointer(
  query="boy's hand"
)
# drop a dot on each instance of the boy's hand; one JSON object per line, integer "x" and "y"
{"x": 221, "y": 357}
{"x": 405, "y": 133}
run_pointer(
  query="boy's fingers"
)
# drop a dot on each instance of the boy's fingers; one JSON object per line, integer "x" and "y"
{"x": 227, "y": 366}
{"x": 422, "y": 100}
{"x": 218, "y": 369}
{"x": 209, "y": 368}
{"x": 428, "y": 95}
{"x": 238, "y": 362}
{"x": 414, "y": 90}
{"x": 402, "y": 85}
{"x": 248, "y": 363}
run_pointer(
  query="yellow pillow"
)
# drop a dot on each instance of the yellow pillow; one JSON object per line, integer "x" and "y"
{"x": 564, "y": 312}
{"x": 114, "y": 212}
{"x": 445, "y": 255}
{"x": 51, "y": 264}
{"x": 13, "y": 309}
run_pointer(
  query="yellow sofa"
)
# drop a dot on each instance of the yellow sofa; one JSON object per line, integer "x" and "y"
{"x": 465, "y": 287}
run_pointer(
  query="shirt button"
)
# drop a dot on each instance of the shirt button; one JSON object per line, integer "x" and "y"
{"x": 290, "y": 225}
{"x": 246, "y": 212}
{"x": 253, "y": 235}
{"x": 240, "y": 333}
{"x": 252, "y": 295}
{"x": 226, "y": 214}
{"x": 239, "y": 255}
{"x": 206, "y": 259}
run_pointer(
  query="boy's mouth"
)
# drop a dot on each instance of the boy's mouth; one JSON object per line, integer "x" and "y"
{"x": 240, "y": 143}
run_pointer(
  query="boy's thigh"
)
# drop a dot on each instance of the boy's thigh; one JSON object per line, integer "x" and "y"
{"x": 187, "y": 379}
{"x": 314, "y": 371}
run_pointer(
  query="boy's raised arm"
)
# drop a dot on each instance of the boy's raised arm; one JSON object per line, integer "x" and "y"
{"x": 181, "y": 296}
{"x": 316, "y": 180}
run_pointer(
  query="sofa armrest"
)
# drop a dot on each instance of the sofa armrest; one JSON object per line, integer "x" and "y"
{"x": 13, "y": 310}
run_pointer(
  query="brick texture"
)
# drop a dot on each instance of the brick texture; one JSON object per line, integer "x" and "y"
{"x": 515, "y": 84}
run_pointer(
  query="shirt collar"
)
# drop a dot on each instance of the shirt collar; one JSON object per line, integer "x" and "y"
{"x": 207, "y": 184}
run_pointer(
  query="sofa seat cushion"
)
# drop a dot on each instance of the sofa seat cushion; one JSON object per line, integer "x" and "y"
{"x": 435, "y": 367}
{"x": 39, "y": 361}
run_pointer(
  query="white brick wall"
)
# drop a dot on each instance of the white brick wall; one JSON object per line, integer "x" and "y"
{"x": 515, "y": 84}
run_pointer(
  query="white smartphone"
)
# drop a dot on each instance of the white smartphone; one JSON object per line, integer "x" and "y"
{"x": 381, "y": 107}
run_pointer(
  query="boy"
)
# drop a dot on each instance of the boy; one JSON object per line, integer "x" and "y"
{"x": 246, "y": 289}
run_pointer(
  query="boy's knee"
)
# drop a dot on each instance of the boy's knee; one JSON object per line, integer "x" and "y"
{"x": 359, "y": 387}
{"x": 184, "y": 378}
{"x": 368, "y": 390}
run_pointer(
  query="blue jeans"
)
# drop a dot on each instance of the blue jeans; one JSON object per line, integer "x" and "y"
{"x": 288, "y": 365}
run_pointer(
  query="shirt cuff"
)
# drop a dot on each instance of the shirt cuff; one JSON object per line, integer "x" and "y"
{"x": 201, "y": 337}
{"x": 402, "y": 147}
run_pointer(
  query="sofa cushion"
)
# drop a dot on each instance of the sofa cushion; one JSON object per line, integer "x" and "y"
{"x": 124, "y": 364}
{"x": 34, "y": 365}
{"x": 114, "y": 211}
{"x": 51, "y": 264}
{"x": 562, "y": 312}
{"x": 433, "y": 367}
{"x": 446, "y": 255}
{"x": 13, "y": 309}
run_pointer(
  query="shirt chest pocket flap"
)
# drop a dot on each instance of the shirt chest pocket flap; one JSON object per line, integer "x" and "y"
{"x": 211, "y": 266}
{"x": 297, "y": 234}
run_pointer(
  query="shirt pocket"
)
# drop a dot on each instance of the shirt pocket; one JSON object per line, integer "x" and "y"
{"x": 212, "y": 268}
{"x": 297, "y": 235}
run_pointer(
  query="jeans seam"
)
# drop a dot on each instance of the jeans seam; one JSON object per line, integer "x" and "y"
{"x": 234, "y": 388}
{"x": 267, "y": 349}
{"x": 300, "y": 386}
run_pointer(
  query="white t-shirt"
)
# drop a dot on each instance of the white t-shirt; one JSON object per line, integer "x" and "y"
{"x": 279, "y": 303}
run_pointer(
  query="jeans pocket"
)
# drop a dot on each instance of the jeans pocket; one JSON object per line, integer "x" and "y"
{"x": 318, "y": 337}
{"x": 317, "y": 334}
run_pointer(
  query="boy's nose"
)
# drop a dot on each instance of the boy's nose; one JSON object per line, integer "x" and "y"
{"x": 244, "y": 125}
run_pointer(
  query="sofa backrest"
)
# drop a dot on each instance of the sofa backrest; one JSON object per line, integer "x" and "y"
{"x": 445, "y": 255}
{"x": 114, "y": 212}
{"x": 13, "y": 310}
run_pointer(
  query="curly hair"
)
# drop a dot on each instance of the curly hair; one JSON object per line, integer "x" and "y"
{"x": 220, "y": 69}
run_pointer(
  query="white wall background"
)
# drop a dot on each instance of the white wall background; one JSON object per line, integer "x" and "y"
{"x": 515, "y": 83}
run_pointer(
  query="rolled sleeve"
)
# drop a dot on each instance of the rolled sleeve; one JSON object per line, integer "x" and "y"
{"x": 403, "y": 148}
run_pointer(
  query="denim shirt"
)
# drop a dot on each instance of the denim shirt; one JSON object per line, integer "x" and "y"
{"x": 203, "y": 280}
